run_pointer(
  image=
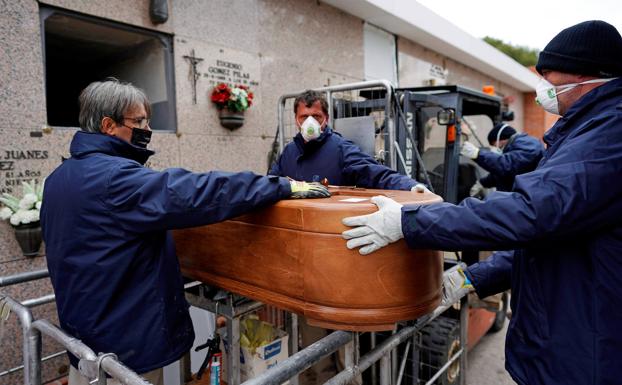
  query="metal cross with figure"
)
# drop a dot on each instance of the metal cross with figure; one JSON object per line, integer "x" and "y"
{"x": 194, "y": 74}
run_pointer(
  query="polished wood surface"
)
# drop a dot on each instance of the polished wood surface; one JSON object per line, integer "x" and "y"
{"x": 292, "y": 255}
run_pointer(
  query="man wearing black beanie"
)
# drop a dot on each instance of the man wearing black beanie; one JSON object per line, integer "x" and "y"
{"x": 511, "y": 154}
{"x": 563, "y": 220}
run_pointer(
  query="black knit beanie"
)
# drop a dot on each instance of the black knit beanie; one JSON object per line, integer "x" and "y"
{"x": 592, "y": 48}
{"x": 507, "y": 133}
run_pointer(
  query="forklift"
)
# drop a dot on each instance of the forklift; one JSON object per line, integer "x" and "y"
{"x": 419, "y": 131}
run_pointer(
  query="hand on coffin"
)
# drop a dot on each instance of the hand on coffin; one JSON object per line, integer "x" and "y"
{"x": 308, "y": 190}
{"x": 375, "y": 230}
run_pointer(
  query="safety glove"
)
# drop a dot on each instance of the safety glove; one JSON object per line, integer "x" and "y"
{"x": 420, "y": 188}
{"x": 375, "y": 230}
{"x": 456, "y": 284}
{"x": 477, "y": 190}
{"x": 469, "y": 150}
{"x": 308, "y": 190}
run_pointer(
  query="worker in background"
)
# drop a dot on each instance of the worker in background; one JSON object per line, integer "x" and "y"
{"x": 511, "y": 154}
{"x": 105, "y": 221}
{"x": 318, "y": 153}
{"x": 564, "y": 219}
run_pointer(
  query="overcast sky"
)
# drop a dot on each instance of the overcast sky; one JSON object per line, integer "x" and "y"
{"x": 524, "y": 22}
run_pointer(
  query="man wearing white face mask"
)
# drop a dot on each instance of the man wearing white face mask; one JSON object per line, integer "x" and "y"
{"x": 318, "y": 152}
{"x": 511, "y": 154}
{"x": 564, "y": 221}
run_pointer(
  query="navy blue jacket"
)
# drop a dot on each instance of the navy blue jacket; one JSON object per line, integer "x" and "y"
{"x": 340, "y": 161}
{"x": 565, "y": 221}
{"x": 520, "y": 155}
{"x": 111, "y": 259}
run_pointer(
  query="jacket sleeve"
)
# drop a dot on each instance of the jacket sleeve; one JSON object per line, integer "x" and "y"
{"x": 144, "y": 200}
{"x": 362, "y": 170}
{"x": 522, "y": 158}
{"x": 575, "y": 192}
{"x": 488, "y": 181}
{"x": 492, "y": 275}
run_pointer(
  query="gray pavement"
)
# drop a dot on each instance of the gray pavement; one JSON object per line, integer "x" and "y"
{"x": 486, "y": 362}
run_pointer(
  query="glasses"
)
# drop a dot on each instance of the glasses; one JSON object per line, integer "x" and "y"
{"x": 139, "y": 122}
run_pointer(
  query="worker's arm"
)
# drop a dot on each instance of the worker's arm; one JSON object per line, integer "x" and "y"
{"x": 493, "y": 275}
{"x": 144, "y": 200}
{"x": 488, "y": 181}
{"x": 576, "y": 191}
{"x": 362, "y": 170}
{"x": 523, "y": 157}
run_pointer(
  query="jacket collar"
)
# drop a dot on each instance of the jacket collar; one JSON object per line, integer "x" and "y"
{"x": 313, "y": 145}
{"x": 85, "y": 143}
{"x": 594, "y": 102}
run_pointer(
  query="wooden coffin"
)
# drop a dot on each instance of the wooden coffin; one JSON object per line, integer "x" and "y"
{"x": 292, "y": 255}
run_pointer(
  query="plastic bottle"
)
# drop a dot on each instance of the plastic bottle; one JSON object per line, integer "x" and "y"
{"x": 214, "y": 376}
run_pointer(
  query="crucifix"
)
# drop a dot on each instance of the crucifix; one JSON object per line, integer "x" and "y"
{"x": 194, "y": 74}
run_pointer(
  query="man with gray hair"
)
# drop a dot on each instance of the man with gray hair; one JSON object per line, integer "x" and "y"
{"x": 105, "y": 221}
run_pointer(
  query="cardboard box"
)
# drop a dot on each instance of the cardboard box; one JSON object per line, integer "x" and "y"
{"x": 265, "y": 357}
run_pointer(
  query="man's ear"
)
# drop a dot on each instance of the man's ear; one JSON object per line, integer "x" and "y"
{"x": 108, "y": 126}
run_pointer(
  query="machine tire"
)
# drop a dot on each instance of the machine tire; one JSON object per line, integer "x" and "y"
{"x": 501, "y": 314}
{"x": 440, "y": 340}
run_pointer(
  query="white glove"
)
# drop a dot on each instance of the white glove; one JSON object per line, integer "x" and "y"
{"x": 455, "y": 285}
{"x": 420, "y": 188}
{"x": 477, "y": 190}
{"x": 375, "y": 230}
{"x": 469, "y": 150}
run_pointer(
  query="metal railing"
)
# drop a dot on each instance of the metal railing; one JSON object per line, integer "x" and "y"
{"x": 91, "y": 365}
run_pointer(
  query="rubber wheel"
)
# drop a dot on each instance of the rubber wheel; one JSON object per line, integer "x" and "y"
{"x": 501, "y": 314}
{"x": 440, "y": 340}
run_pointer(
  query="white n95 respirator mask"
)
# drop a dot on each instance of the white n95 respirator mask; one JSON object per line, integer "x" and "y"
{"x": 546, "y": 93}
{"x": 310, "y": 129}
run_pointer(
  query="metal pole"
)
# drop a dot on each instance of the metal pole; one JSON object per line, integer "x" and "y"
{"x": 281, "y": 115}
{"x": 460, "y": 353}
{"x": 31, "y": 341}
{"x": 233, "y": 334}
{"x": 403, "y": 364}
{"x": 39, "y": 301}
{"x": 293, "y": 342}
{"x": 302, "y": 360}
{"x": 23, "y": 277}
{"x": 385, "y": 369}
{"x": 384, "y": 348}
{"x": 464, "y": 326}
{"x": 374, "y": 370}
{"x": 21, "y": 367}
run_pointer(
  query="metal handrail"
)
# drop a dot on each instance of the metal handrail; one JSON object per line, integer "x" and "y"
{"x": 23, "y": 277}
{"x": 91, "y": 365}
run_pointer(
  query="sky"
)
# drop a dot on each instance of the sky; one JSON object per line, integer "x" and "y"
{"x": 528, "y": 23}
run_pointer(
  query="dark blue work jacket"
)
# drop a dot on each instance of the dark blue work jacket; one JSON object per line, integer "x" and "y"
{"x": 112, "y": 261}
{"x": 565, "y": 221}
{"x": 340, "y": 161}
{"x": 520, "y": 155}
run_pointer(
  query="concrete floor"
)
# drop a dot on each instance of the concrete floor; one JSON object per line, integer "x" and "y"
{"x": 486, "y": 365}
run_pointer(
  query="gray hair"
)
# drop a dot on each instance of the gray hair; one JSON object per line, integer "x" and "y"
{"x": 109, "y": 98}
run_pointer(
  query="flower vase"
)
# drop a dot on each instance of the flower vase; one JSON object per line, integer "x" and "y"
{"x": 29, "y": 238}
{"x": 231, "y": 119}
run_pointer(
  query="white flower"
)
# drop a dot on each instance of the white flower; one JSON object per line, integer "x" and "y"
{"x": 38, "y": 205}
{"x": 5, "y": 213}
{"x": 16, "y": 218}
{"x": 28, "y": 201}
{"x": 30, "y": 216}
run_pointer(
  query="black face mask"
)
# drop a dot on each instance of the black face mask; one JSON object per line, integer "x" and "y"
{"x": 140, "y": 137}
